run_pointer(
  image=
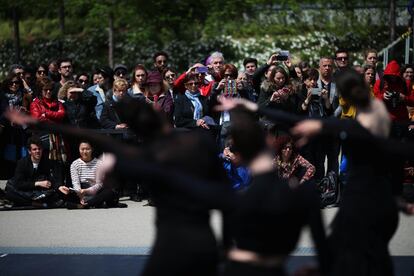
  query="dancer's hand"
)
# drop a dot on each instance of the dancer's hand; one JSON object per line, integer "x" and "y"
{"x": 306, "y": 130}
{"x": 19, "y": 118}
{"x": 227, "y": 104}
{"x": 106, "y": 166}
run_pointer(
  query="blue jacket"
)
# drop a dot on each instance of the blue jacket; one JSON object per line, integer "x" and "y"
{"x": 100, "y": 102}
{"x": 239, "y": 176}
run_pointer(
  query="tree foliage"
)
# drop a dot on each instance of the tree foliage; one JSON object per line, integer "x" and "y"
{"x": 188, "y": 30}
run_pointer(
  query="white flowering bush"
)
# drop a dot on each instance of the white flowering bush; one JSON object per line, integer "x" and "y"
{"x": 308, "y": 47}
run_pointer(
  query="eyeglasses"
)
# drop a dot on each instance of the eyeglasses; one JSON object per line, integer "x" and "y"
{"x": 41, "y": 72}
{"x": 342, "y": 58}
{"x": 66, "y": 67}
{"x": 120, "y": 73}
{"x": 193, "y": 83}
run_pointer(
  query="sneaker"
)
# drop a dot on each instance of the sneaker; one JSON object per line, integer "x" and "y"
{"x": 121, "y": 205}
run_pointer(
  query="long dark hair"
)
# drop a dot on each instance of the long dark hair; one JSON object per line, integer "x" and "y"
{"x": 353, "y": 88}
{"x": 248, "y": 136}
{"x": 8, "y": 80}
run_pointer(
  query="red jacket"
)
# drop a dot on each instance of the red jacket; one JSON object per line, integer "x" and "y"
{"x": 398, "y": 112}
{"x": 47, "y": 110}
{"x": 205, "y": 88}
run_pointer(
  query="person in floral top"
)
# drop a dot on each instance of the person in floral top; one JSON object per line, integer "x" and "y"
{"x": 290, "y": 164}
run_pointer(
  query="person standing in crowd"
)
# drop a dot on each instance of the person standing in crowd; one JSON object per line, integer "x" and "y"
{"x": 314, "y": 103}
{"x": 19, "y": 70}
{"x": 12, "y": 138}
{"x": 65, "y": 70}
{"x": 120, "y": 72}
{"x": 169, "y": 75}
{"x": 198, "y": 69}
{"x": 278, "y": 92}
{"x": 215, "y": 63}
{"x": 327, "y": 84}
{"x": 392, "y": 89}
{"x": 83, "y": 80}
{"x": 191, "y": 108}
{"x": 341, "y": 60}
{"x": 407, "y": 72}
{"x": 158, "y": 94}
{"x": 139, "y": 78}
{"x": 110, "y": 118}
{"x": 160, "y": 61}
{"x": 264, "y": 71}
{"x": 53, "y": 70}
{"x": 371, "y": 58}
{"x": 48, "y": 109}
{"x": 250, "y": 66}
{"x": 102, "y": 89}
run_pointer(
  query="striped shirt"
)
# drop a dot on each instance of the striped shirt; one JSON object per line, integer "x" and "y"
{"x": 85, "y": 172}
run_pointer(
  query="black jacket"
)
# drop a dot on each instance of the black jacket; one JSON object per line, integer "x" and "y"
{"x": 81, "y": 113}
{"x": 25, "y": 176}
{"x": 109, "y": 117}
{"x": 184, "y": 111}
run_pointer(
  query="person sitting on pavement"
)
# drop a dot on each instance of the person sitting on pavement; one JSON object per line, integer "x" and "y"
{"x": 87, "y": 184}
{"x": 36, "y": 179}
{"x": 238, "y": 174}
{"x": 290, "y": 164}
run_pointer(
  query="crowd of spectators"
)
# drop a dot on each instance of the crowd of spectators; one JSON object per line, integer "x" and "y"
{"x": 56, "y": 93}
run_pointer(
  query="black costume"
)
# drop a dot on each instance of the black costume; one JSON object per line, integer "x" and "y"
{"x": 185, "y": 243}
{"x": 367, "y": 217}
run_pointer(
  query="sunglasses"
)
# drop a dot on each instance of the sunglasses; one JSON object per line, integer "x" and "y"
{"x": 140, "y": 75}
{"x": 14, "y": 82}
{"x": 41, "y": 72}
{"x": 120, "y": 73}
{"x": 193, "y": 83}
{"x": 83, "y": 81}
{"x": 66, "y": 67}
{"x": 342, "y": 58}
{"x": 170, "y": 76}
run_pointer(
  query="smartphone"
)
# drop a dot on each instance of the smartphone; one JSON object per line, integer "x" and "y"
{"x": 316, "y": 91}
{"x": 201, "y": 70}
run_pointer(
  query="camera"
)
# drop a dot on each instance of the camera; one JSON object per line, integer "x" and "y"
{"x": 316, "y": 92}
{"x": 394, "y": 100}
{"x": 282, "y": 56}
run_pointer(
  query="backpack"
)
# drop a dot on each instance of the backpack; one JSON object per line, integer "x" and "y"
{"x": 329, "y": 189}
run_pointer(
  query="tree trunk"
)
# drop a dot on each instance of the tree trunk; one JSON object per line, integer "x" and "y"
{"x": 16, "y": 34}
{"x": 62, "y": 17}
{"x": 392, "y": 24}
{"x": 111, "y": 40}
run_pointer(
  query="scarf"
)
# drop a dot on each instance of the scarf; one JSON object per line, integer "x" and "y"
{"x": 198, "y": 108}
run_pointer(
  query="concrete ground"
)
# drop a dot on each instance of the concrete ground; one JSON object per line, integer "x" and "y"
{"x": 127, "y": 231}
